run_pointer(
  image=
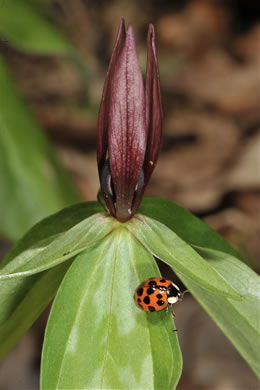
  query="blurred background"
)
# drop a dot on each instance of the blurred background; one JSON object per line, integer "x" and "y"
{"x": 53, "y": 60}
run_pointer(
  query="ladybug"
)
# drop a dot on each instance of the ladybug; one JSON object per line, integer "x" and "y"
{"x": 155, "y": 294}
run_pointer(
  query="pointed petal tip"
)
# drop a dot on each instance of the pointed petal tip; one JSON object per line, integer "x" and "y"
{"x": 130, "y": 32}
{"x": 151, "y": 38}
{"x": 121, "y": 29}
{"x": 151, "y": 30}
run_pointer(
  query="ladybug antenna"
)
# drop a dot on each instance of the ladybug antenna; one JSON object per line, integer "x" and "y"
{"x": 183, "y": 293}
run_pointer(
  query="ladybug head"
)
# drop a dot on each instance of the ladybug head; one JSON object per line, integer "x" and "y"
{"x": 174, "y": 294}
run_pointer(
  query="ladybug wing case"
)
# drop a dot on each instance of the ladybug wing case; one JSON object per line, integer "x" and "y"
{"x": 151, "y": 298}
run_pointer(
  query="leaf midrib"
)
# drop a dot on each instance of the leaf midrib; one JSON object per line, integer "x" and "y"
{"x": 146, "y": 320}
{"x": 181, "y": 269}
{"x": 57, "y": 260}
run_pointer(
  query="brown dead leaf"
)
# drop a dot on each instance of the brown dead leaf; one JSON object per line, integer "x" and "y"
{"x": 194, "y": 174}
{"x": 247, "y": 46}
{"x": 199, "y": 24}
{"x": 215, "y": 79}
{"x": 245, "y": 174}
{"x": 42, "y": 78}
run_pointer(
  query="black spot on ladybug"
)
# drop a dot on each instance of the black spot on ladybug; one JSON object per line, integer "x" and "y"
{"x": 138, "y": 300}
{"x": 146, "y": 300}
{"x": 140, "y": 306}
{"x": 150, "y": 291}
{"x": 159, "y": 296}
{"x": 160, "y": 303}
{"x": 162, "y": 280}
{"x": 140, "y": 291}
{"x": 151, "y": 308}
{"x": 152, "y": 283}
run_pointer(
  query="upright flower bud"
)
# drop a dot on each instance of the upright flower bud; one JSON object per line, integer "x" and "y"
{"x": 130, "y": 125}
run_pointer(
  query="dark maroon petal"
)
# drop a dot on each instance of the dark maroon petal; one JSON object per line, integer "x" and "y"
{"x": 126, "y": 126}
{"x": 153, "y": 107}
{"x": 102, "y": 141}
{"x": 130, "y": 125}
{"x": 153, "y": 112}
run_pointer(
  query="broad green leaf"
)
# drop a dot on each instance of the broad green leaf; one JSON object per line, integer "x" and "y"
{"x": 24, "y": 25}
{"x": 96, "y": 337}
{"x": 53, "y": 225}
{"x": 14, "y": 292}
{"x": 56, "y": 249}
{"x": 233, "y": 317}
{"x": 40, "y": 290}
{"x": 170, "y": 248}
{"x": 32, "y": 182}
{"x": 190, "y": 228}
{"x": 239, "y": 321}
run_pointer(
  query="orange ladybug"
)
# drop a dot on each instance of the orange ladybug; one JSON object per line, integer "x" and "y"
{"x": 155, "y": 294}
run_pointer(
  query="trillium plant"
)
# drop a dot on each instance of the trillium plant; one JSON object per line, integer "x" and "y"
{"x": 94, "y": 255}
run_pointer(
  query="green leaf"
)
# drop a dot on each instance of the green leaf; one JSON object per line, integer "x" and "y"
{"x": 170, "y": 248}
{"x": 96, "y": 337}
{"x": 58, "y": 248}
{"x": 32, "y": 182}
{"x": 190, "y": 228}
{"x": 36, "y": 294}
{"x": 25, "y": 26}
{"x": 28, "y": 296}
{"x": 238, "y": 320}
{"x": 53, "y": 225}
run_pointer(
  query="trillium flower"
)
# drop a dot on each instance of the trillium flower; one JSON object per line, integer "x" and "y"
{"x": 129, "y": 126}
